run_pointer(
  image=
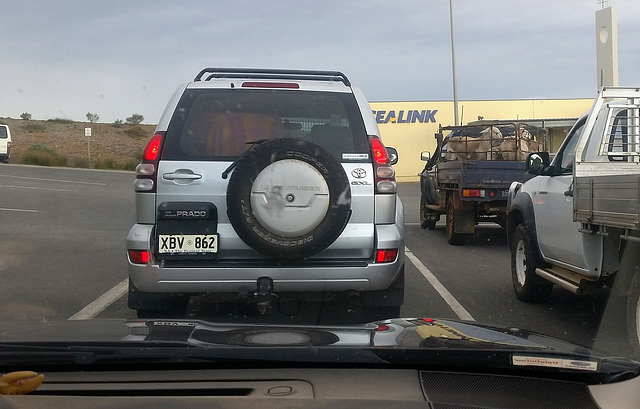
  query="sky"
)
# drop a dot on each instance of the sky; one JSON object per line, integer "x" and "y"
{"x": 120, "y": 57}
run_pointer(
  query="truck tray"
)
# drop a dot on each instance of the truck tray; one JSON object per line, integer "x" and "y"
{"x": 609, "y": 200}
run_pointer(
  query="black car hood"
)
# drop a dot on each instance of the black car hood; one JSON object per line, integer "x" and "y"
{"x": 433, "y": 344}
{"x": 407, "y": 333}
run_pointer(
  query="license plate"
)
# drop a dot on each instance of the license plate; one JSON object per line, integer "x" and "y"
{"x": 187, "y": 243}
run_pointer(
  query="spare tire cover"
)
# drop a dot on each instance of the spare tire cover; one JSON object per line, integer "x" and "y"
{"x": 288, "y": 198}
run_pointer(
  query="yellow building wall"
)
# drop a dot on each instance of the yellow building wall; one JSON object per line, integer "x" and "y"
{"x": 410, "y": 126}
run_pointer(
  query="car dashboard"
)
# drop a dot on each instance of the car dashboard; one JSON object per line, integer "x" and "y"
{"x": 317, "y": 388}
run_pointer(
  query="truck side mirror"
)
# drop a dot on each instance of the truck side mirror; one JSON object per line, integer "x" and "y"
{"x": 393, "y": 155}
{"x": 536, "y": 162}
{"x": 425, "y": 156}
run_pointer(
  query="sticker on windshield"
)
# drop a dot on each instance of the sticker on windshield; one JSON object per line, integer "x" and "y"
{"x": 554, "y": 363}
{"x": 355, "y": 156}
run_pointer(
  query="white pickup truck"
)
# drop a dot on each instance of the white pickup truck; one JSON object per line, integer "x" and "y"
{"x": 577, "y": 223}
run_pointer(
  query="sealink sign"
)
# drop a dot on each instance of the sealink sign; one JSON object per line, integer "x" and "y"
{"x": 409, "y": 116}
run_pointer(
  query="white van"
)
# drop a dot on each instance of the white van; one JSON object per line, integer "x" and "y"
{"x": 5, "y": 143}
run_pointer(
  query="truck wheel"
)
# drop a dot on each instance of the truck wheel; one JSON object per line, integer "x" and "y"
{"x": 430, "y": 192}
{"x": 633, "y": 315}
{"x": 527, "y": 285}
{"x": 427, "y": 222}
{"x": 452, "y": 238}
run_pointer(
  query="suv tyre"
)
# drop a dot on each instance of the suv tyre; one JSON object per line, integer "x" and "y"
{"x": 288, "y": 198}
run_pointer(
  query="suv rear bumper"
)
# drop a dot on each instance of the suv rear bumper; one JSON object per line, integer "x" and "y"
{"x": 241, "y": 276}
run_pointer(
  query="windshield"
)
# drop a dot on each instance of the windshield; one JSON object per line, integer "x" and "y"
{"x": 280, "y": 200}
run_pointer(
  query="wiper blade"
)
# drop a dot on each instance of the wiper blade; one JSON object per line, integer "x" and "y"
{"x": 228, "y": 170}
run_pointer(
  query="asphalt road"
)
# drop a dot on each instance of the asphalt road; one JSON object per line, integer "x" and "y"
{"x": 62, "y": 255}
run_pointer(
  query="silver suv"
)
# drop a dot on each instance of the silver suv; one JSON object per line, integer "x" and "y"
{"x": 265, "y": 184}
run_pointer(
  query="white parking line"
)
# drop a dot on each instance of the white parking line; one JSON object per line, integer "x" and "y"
{"x": 20, "y": 210}
{"x": 56, "y": 180}
{"x": 99, "y": 304}
{"x": 441, "y": 289}
{"x": 38, "y": 188}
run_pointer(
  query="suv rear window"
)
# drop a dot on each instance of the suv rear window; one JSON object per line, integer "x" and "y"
{"x": 222, "y": 124}
{"x": 3, "y": 132}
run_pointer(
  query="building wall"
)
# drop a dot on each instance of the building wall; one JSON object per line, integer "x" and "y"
{"x": 410, "y": 126}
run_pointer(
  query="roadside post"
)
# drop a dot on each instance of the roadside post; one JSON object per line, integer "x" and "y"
{"x": 87, "y": 133}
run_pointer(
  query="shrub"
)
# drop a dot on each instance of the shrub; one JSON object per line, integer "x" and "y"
{"x": 136, "y": 132}
{"x": 105, "y": 163}
{"x": 135, "y": 119}
{"x": 92, "y": 117}
{"x": 130, "y": 165}
{"x": 137, "y": 153}
{"x": 117, "y": 123}
{"x": 32, "y": 127}
{"x": 41, "y": 147}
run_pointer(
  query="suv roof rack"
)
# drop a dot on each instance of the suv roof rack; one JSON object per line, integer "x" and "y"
{"x": 272, "y": 74}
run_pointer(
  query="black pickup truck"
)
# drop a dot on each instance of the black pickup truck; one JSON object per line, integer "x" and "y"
{"x": 469, "y": 174}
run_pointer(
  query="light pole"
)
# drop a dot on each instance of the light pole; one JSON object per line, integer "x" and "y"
{"x": 453, "y": 66}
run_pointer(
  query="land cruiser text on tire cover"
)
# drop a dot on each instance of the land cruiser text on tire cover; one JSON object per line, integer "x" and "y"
{"x": 296, "y": 179}
{"x": 260, "y": 186}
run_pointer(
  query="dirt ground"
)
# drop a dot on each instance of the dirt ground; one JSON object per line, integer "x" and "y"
{"x": 107, "y": 142}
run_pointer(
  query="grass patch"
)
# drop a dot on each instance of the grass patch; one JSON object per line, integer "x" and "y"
{"x": 43, "y": 158}
{"x": 114, "y": 164}
{"x": 60, "y": 121}
{"x": 77, "y": 161}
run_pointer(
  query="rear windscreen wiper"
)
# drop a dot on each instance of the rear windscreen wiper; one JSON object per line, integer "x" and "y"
{"x": 228, "y": 170}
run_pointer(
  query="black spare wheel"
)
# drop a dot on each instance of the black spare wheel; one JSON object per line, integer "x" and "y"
{"x": 288, "y": 198}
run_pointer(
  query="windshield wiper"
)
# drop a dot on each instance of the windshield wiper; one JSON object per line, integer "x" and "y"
{"x": 228, "y": 170}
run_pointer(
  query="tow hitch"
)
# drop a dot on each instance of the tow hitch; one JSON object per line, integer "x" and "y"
{"x": 264, "y": 294}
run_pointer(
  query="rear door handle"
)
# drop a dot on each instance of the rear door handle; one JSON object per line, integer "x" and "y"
{"x": 181, "y": 174}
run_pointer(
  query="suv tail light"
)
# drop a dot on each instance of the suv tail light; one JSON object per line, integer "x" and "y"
{"x": 385, "y": 175}
{"x": 386, "y": 255}
{"x": 139, "y": 256}
{"x": 146, "y": 171}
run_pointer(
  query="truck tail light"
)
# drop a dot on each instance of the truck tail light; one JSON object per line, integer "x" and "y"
{"x": 385, "y": 175}
{"x": 473, "y": 193}
{"x": 147, "y": 170}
